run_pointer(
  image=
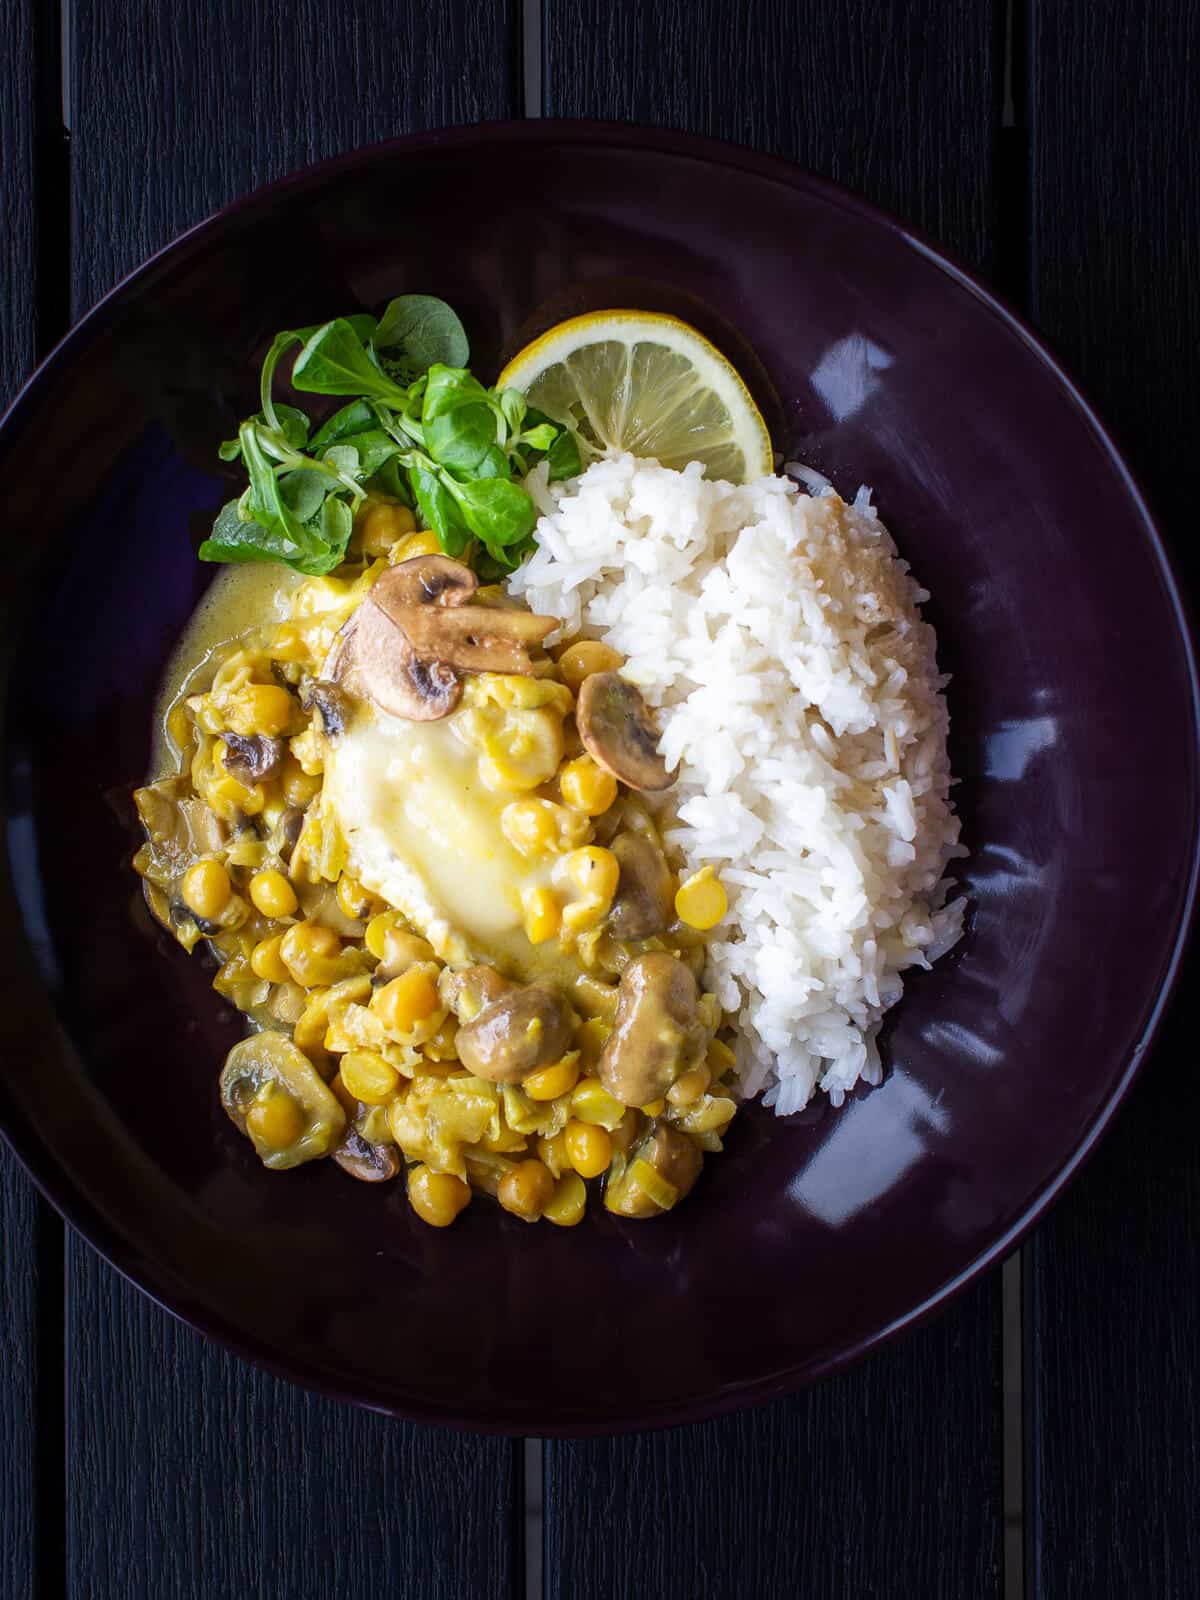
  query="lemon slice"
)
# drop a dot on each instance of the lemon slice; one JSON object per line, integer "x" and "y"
{"x": 648, "y": 383}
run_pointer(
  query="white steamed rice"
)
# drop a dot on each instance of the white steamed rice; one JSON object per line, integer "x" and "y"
{"x": 779, "y": 633}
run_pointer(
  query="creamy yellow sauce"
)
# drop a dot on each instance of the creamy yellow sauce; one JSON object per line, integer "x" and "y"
{"x": 238, "y": 599}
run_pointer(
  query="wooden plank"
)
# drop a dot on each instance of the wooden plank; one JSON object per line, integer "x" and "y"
{"x": 898, "y": 101}
{"x": 1115, "y": 1271}
{"x": 20, "y": 1209}
{"x": 190, "y": 1473}
{"x": 814, "y": 1496}
{"x": 882, "y": 1482}
{"x": 193, "y": 1474}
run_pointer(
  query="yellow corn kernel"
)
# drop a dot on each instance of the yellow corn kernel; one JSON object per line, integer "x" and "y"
{"x": 552, "y": 1153}
{"x": 701, "y": 900}
{"x": 591, "y": 1102}
{"x": 297, "y": 786}
{"x": 540, "y": 913}
{"x": 710, "y": 1116}
{"x": 540, "y": 827}
{"x": 719, "y": 1059}
{"x": 579, "y": 660}
{"x": 272, "y": 894}
{"x": 594, "y": 871}
{"x": 558, "y": 1078}
{"x": 568, "y": 1203}
{"x": 689, "y": 1086}
{"x": 378, "y": 929}
{"x": 369, "y": 1077}
{"x": 261, "y": 708}
{"x": 590, "y": 878}
{"x": 287, "y": 644}
{"x": 408, "y": 1001}
{"x": 654, "y": 1108}
{"x": 356, "y": 902}
{"x": 437, "y": 1197}
{"x": 586, "y": 786}
{"x": 309, "y": 753}
{"x": 381, "y": 525}
{"x": 227, "y": 796}
{"x": 206, "y": 889}
{"x": 526, "y": 1190}
{"x": 424, "y": 543}
{"x": 310, "y": 953}
{"x": 312, "y": 1023}
{"x": 589, "y": 1148}
{"x": 275, "y": 1120}
{"x": 266, "y": 961}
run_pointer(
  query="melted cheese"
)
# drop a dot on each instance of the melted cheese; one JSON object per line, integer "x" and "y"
{"x": 424, "y": 833}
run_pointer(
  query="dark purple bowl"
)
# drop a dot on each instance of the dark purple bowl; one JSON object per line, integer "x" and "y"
{"x": 1074, "y": 713}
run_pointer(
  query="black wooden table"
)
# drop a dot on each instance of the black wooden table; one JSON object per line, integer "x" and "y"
{"x": 1043, "y": 1435}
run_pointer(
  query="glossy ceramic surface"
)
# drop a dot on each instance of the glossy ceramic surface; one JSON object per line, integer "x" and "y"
{"x": 1074, "y": 735}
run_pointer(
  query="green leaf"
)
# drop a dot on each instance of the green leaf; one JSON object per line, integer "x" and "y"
{"x": 439, "y": 510}
{"x": 460, "y": 436}
{"x": 514, "y": 407}
{"x": 337, "y": 524}
{"x": 350, "y": 420}
{"x": 374, "y": 450}
{"x": 343, "y": 458}
{"x": 494, "y": 463}
{"x": 416, "y": 332}
{"x": 304, "y": 492}
{"x": 290, "y": 427}
{"x": 541, "y": 437}
{"x": 496, "y": 510}
{"x": 563, "y": 456}
{"x": 237, "y": 538}
{"x": 334, "y": 361}
{"x": 264, "y": 499}
{"x": 448, "y": 388}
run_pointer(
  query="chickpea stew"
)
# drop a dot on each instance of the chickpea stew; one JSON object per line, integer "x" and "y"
{"x": 426, "y": 854}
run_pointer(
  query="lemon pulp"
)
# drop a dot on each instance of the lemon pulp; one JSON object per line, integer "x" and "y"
{"x": 648, "y": 383}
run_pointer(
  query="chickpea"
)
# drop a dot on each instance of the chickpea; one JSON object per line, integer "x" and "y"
{"x": 579, "y": 660}
{"x": 526, "y": 1190}
{"x": 275, "y": 1120}
{"x": 272, "y": 894}
{"x": 437, "y": 1197}
{"x": 589, "y": 1148}
{"x": 207, "y": 889}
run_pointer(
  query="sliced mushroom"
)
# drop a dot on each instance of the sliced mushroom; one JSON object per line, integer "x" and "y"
{"x": 372, "y": 1163}
{"x": 252, "y": 758}
{"x": 619, "y": 731}
{"x": 268, "y": 1064}
{"x": 415, "y": 633}
{"x": 523, "y": 1030}
{"x": 379, "y": 663}
{"x": 327, "y": 700}
{"x": 476, "y": 638}
{"x": 660, "y": 1172}
{"x": 657, "y": 1034}
{"x": 423, "y": 581}
{"x": 644, "y": 901}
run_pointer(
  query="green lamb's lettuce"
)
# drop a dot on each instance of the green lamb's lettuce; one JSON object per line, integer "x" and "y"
{"x": 416, "y": 426}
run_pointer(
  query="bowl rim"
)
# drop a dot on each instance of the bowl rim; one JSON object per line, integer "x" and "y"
{"x": 124, "y": 1255}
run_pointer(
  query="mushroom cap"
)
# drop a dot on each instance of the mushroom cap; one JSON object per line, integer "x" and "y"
{"x": 254, "y": 757}
{"x": 620, "y": 731}
{"x": 371, "y": 1163}
{"x": 378, "y": 662}
{"x": 415, "y": 633}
